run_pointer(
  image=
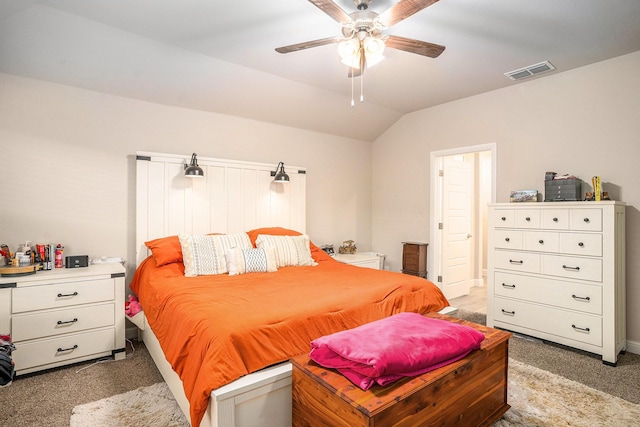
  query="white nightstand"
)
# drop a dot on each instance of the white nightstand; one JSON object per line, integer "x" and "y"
{"x": 64, "y": 315}
{"x": 363, "y": 259}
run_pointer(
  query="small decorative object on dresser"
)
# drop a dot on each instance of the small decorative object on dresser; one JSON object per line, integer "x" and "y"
{"x": 414, "y": 258}
{"x": 348, "y": 247}
{"x": 64, "y": 316}
{"x": 557, "y": 272}
{"x": 524, "y": 196}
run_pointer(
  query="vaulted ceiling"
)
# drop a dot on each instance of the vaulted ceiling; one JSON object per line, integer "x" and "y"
{"x": 218, "y": 55}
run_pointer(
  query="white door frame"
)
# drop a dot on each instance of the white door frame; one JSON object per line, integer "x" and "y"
{"x": 435, "y": 200}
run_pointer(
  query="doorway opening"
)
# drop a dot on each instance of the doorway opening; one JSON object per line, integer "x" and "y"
{"x": 462, "y": 184}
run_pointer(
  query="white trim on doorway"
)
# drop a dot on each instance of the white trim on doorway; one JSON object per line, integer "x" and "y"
{"x": 434, "y": 261}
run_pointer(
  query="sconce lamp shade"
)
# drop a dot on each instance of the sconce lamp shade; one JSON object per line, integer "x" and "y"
{"x": 193, "y": 170}
{"x": 280, "y": 175}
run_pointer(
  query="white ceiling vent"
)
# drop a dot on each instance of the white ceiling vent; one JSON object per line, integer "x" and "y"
{"x": 531, "y": 70}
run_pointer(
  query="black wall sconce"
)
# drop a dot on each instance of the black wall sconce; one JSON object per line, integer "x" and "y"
{"x": 193, "y": 170}
{"x": 280, "y": 175}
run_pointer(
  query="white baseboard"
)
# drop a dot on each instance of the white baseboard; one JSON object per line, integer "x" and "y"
{"x": 477, "y": 283}
{"x": 633, "y": 347}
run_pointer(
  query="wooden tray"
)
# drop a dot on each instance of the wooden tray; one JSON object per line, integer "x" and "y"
{"x": 11, "y": 271}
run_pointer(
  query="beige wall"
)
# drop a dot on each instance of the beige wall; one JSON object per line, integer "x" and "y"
{"x": 67, "y": 161}
{"x": 585, "y": 122}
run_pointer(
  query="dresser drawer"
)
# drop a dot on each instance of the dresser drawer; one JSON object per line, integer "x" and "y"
{"x": 62, "y": 295}
{"x": 589, "y": 219}
{"x": 56, "y": 322}
{"x": 541, "y": 241}
{"x": 568, "y": 295}
{"x": 581, "y": 244}
{"x": 555, "y": 219}
{"x": 504, "y": 218}
{"x": 508, "y": 239}
{"x": 564, "y": 324}
{"x": 572, "y": 267}
{"x": 528, "y": 218}
{"x": 517, "y": 261}
{"x": 62, "y": 348}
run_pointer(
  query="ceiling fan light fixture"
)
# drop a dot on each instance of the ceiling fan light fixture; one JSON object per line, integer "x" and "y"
{"x": 373, "y": 50}
{"x": 349, "y": 51}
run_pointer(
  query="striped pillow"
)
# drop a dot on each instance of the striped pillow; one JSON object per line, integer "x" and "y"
{"x": 241, "y": 261}
{"x": 205, "y": 255}
{"x": 290, "y": 250}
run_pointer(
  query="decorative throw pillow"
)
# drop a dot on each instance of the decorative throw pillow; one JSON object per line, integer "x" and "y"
{"x": 165, "y": 250}
{"x": 290, "y": 250}
{"x": 241, "y": 261}
{"x": 205, "y": 255}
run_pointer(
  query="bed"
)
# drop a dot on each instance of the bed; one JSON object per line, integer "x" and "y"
{"x": 222, "y": 342}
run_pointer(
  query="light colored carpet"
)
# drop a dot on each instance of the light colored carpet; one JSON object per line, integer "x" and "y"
{"x": 537, "y": 398}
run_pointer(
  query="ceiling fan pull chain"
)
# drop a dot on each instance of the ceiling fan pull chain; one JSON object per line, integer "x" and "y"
{"x": 361, "y": 85}
{"x": 353, "y": 104}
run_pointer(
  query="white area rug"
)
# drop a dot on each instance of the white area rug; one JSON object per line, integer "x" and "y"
{"x": 537, "y": 398}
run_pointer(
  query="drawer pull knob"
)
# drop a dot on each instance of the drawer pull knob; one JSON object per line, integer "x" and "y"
{"x": 581, "y": 244}
{"x": 68, "y": 295}
{"x": 541, "y": 241}
{"x": 64, "y": 322}
{"x": 504, "y": 218}
{"x": 514, "y": 261}
{"x": 508, "y": 313}
{"x": 580, "y": 329}
{"x": 576, "y": 297}
{"x": 566, "y": 267}
{"x": 508, "y": 285}
{"x": 506, "y": 239}
{"x": 586, "y": 220}
{"x": 555, "y": 219}
{"x": 528, "y": 218}
{"x": 60, "y": 349}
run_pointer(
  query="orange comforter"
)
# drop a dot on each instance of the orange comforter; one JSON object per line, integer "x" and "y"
{"x": 215, "y": 329}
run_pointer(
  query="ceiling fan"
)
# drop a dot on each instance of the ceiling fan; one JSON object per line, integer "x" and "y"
{"x": 363, "y": 40}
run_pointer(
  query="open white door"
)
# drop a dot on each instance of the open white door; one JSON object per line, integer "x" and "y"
{"x": 456, "y": 226}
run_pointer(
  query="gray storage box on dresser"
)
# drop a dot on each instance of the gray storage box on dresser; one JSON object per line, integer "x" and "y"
{"x": 556, "y": 271}
{"x": 64, "y": 315}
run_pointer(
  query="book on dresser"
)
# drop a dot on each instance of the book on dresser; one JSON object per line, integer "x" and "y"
{"x": 556, "y": 271}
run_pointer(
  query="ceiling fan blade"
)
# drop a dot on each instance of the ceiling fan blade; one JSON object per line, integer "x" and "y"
{"x": 333, "y": 10}
{"x": 414, "y": 46}
{"x": 307, "y": 45}
{"x": 402, "y": 10}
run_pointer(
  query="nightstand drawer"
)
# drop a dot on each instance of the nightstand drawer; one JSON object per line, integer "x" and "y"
{"x": 56, "y": 322}
{"x": 65, "y": 347}
{"x": 62, "y": 295}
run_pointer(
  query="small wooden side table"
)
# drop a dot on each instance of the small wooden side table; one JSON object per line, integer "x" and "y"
{"x": 414, "y": 258}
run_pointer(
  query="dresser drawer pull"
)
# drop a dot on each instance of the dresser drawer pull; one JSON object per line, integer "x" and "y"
{"x": 65, "y": 322}
{"x": 60, "y": 349}
{"x": 75, "y": 294}
{"x": 506, "y": 239}
{"x": 508, "y": 285}
{"x": 528, "y": 218}
{"x": 508, "y": 313}
{"x": 580, "y": 329}
{"x": 503, "y": 218}
{"x": 514, "y": 261}
{"x": 581, "y": 244}
{"x": 576, "y": 297}
{"x": 566, "y": 267}
{"x": 555, "y": 219}
{"x": 541, "y": 241}
{"x": 586, "y": 220}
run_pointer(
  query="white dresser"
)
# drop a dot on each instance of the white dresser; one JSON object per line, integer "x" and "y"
{"x": 556, "y": 271}
{"x": 65, "y": 315}
{"x": 363, "y": 259}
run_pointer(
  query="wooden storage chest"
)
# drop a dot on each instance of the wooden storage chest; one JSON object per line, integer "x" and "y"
{"x": 469, "y": 392}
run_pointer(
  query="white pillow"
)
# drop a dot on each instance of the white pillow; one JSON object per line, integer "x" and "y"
{"x": 254, "y": 260}
{"x": 203, "y": 255}
{"x": 290, "y": 250}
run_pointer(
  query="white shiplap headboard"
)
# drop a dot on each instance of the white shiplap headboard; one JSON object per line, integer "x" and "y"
{"x": 233, "y": 196}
